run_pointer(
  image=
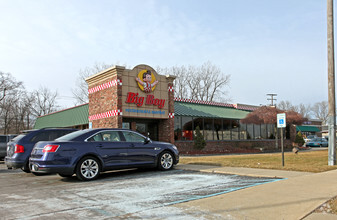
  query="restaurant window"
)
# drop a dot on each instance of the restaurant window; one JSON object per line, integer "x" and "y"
{"x": 218, "y": 129}
{"x": 257, "y": 131}
{"x": 250, "y": 131}
{"x": 243, "y": 131}
{"x": 264, "y": 131}
{"x": 187, "y": 126}
{"x": 198, "y": 122}
{"x": 208, "y": 129}
{"x": 235, "y": 129}
{"x": 226, "y": 129}
{"x": 178, "y": 134}
{"x": 271, "y": 131}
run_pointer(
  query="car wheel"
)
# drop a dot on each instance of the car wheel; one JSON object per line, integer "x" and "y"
{"x": 88, "y": 168}
{"x": 165, "y": 161}
{"x": 25, "y": 168}
{"x": 65, "y": 175}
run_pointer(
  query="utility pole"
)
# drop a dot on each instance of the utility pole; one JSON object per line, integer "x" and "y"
{"x": 331, "y": 87}
{"x": 272, "y": 98}
{"x": 272, "y": 104}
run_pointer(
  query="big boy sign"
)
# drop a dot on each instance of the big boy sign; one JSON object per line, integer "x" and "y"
{"x": 145, "y": 93}
{"x": 146, "y": 81}
{"x": 139, "y": 100}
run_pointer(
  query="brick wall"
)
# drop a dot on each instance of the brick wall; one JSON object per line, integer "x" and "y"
{"x": 166, "y": 126}
{"x": 112, "y": 98}
{"x": 108, "y": 99}
{"x": 230, "y": 147}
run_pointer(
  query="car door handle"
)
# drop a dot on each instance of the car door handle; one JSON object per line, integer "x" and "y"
{"x": 100, "y": 145}
{"x": 132, "y": 145}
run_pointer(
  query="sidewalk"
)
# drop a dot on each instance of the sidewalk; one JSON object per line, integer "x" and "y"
{"x": 295, "y": 197}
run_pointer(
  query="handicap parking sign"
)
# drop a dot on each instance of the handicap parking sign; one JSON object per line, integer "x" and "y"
{"x": 281, "y": 120}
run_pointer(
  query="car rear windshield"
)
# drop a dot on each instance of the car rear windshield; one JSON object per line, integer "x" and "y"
{"x": 3, "y": 139}
{"x": 71, "y": 136}
{"x": 19, "y": 137}
{"x": 49, "y": 135}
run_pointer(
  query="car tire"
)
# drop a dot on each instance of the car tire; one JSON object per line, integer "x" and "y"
{"x": 165, "y": 161}
{"x": 25, "y": 168}
{"x": 39, "y": 174}
{"x": 65, "y": 175}
{"x": 88, "y": 168}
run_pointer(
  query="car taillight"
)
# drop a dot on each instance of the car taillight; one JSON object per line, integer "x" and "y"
{"x": 19, "y": 149}
{"x": 50, "y": 148}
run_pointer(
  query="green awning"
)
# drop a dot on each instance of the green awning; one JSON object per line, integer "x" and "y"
{"x": 77, "y": 115}
{"x": 306, "y": 128}
{"x": 207, "y": 111}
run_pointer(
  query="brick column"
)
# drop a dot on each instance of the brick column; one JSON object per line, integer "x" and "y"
{"x": 105, "y": 92}
{"x": 166, "y": 127}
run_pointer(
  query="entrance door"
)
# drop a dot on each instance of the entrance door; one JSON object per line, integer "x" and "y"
{"x": 149, "y": 129}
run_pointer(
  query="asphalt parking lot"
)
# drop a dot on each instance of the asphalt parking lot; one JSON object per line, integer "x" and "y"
{"x": 131, "y": 194}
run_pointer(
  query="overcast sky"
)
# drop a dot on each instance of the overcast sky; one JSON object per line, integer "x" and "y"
{"x": 267, "y": 46}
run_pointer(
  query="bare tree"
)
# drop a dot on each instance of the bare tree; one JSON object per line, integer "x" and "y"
{"x": 44, "y": 102}
{"x": 304, "y": 110}
{"x": 19, "y": 108}
{"x": 10, "y": 94}
{"x": 80, "y": 92}
{"x": 320, "y": 111}
{"x": 180, "y": 88}
{"x": 205, "y": 82}
{"x": 285, "y": 106}
{"x": 23, "y": 115}
{"x": 8, "y": 85}
{"x": 7, "y": 112}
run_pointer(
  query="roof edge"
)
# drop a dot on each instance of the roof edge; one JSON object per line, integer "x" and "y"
{"x": 103, "y": 71}
{"x": 236, "y": 106}
{"x": 63, "y": 110}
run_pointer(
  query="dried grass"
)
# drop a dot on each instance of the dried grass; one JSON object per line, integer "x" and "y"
{"x": 312, "y": 161}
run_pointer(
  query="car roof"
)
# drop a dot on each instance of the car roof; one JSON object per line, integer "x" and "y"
{"x": 48, "y": 128}
{"x": 112, "y": 129}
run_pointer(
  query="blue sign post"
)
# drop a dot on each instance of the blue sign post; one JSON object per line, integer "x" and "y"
{"x": 281, "y": 123}
{"x": 281, "y": 120}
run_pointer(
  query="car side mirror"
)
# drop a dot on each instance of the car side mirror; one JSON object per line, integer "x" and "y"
{"x": 147, "y": 140}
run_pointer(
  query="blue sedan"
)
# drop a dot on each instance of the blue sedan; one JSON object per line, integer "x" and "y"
{"x": 317, "y": 142}
{"x": 88, "y": 152}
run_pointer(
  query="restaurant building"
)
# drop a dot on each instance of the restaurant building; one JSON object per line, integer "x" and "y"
{"x": 140, "y": 99}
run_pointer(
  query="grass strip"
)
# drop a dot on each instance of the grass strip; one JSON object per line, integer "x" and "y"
{"x": 311, "y": 161}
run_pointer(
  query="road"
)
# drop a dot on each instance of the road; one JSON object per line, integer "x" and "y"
{"x": 131, "y": 194}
